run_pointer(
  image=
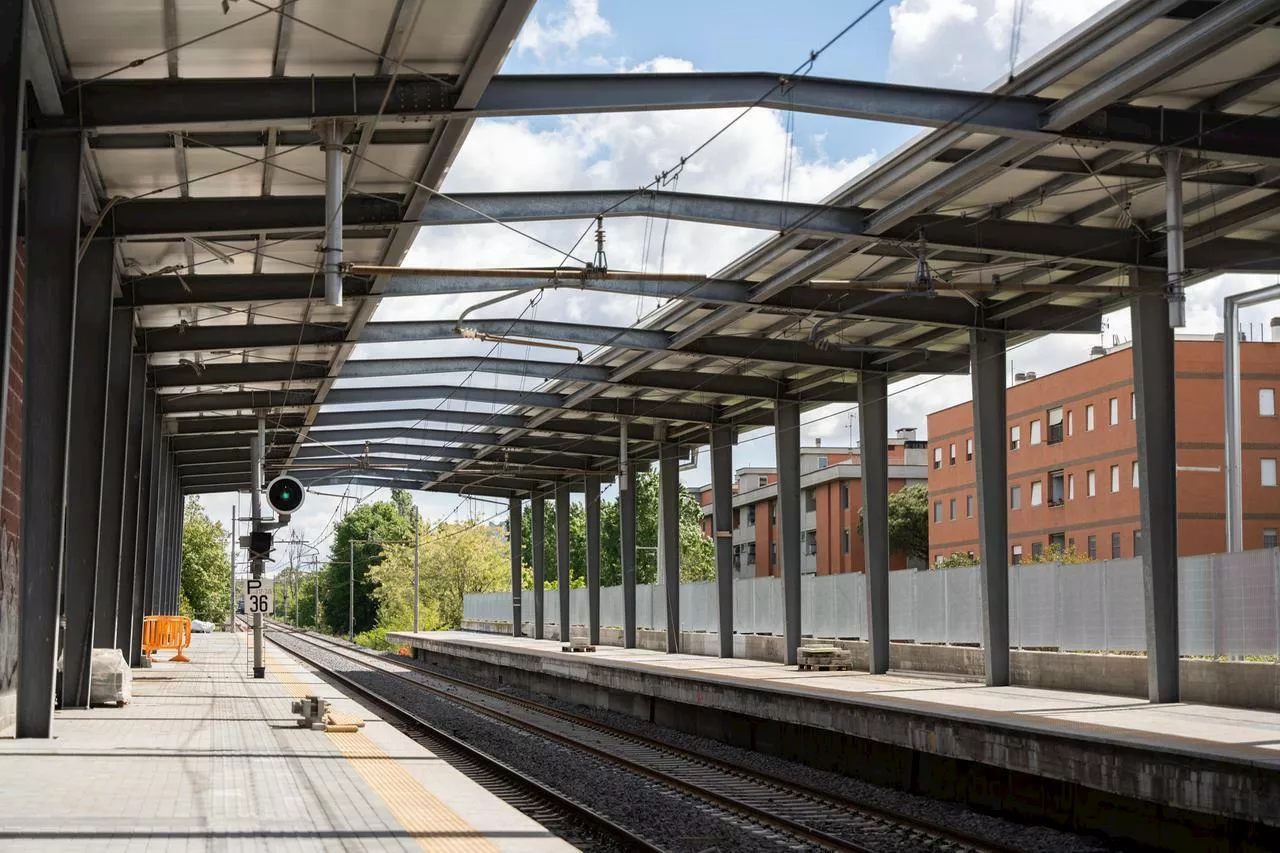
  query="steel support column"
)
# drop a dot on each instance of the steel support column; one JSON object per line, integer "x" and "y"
{"x": 591, "y": 507}
{"x": 114, "y": 451}
{"x": 144, "y": 516}
{"x": 722, "y": 524}
{"x": 53, "y": 218}
{"x": 987, "y": 350}
{"x": 873, "y": 426}
{"x": 150, "y": 530}
{"x": 126, "y": 553}
{"x": 1153, "y": 380}
{"x": 627, "y": 553}
{"x": 515, "y": 523}
{"x": 175, "y": 546}
{"x": 82, "y": 503}
{"x": 562, "y": 557}
{"x": 669, "y": 537}
{"x": 786, "y": 433}
{"x": 537, "y": 543}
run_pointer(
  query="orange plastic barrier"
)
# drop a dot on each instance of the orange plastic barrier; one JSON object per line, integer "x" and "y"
{"x": 166, "y": 632}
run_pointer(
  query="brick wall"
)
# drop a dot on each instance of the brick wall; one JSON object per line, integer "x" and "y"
{"x": 11, "y": 511}
{"x": 11, "y": 500}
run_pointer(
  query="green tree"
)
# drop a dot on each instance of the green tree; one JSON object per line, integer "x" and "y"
{"x": 382, "y": 521}
{"x": 1058, "y": 554}
{"x": 206, "y": 566}
{"x": 908, "y": 521}
{"x": 697, "y": 551}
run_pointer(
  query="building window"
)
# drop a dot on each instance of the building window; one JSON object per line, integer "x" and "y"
{"x": 1057, "y": 488}
{"x": 773, "y": 553}
{"x": 1088, "y": 418}
{"x": 937, "y": 512}
{"x": 1054, "y": 417}
{"x": 810, "y": 500}
{"x": 1015, "y": 437}
{"x": 968, "y": 450}
{"x": 1058, "y": 541}
{"x": 1133, "y": 406}
{"x": 751, "y": 514}
{"x": 737, "y": 556}
{"x": 764, "y": 481}
{"x": 1115, "y": 478}
{"x": 1114, "y": 410}
{"x": 1037, "y": 492}
{"x": 844, "y": 495}
{"x": 822, "y": 462}
{"x": 937, "y": 458}
{"x": 1267, "y": 402}
{"x": 1015, "y": 497}
{"x": 773, "y": 513}
{"x": 751, "y": 553}
{"x": 1090, "y": 484}
{"x": 1269, "y": 538}
{"x": 1017, "y": 555}
{"x": 951, "y": 508}
{"x": 1037, "y": 550}
{"x": 953, "y": 453}
{"x": 1133, "y": 475}
{"x": 1071, "y": 423}
{"x": 1035, "y": 431}
{"x": 1071, "y": 487}
{"x": 1268, "y": 472}
{"x": 1115, "y": 546}
{"x": 968, "y": 506}
{"x": 1093, "y": 547}
{"x": 845, "y": 541}
{"x": 811, "y": 543}
{"x": 1137, "y": 543}
{"x": 938, "y": 558}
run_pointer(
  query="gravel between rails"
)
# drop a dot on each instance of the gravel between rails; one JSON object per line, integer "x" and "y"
{"x": 1029, "y": 837}
{"x": 670, "y": 820}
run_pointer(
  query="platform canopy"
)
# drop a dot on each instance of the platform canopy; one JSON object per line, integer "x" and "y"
{"x": 1028, "y": 209}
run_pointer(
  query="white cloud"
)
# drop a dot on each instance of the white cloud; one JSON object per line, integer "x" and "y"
{"x": 966, "y": 43}
{"x": 563, "y": 30}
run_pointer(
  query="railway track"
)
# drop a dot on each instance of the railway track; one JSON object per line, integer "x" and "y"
{"x": 794, "y": 814}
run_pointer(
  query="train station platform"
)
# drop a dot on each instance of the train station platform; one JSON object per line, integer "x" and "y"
{"x": 207, "y": 758}
{"x": 1177, "y": 776}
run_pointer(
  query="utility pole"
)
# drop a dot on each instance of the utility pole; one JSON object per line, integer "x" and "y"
{"x": 351, "y": 591}
{"x": 256, "y": 563}
{"x": 315, "y": 571}
{"x": 416, "y": 525}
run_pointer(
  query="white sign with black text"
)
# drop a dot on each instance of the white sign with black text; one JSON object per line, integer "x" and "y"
{"x": 257, "y": 596}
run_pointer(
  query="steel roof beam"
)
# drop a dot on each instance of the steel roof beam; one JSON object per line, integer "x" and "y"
{"x": 186, "y": 102}
{"x": 237, "y": 373}
{"x": 212, "y": 288}
{"x": 248, "y": 138}
{"x": 819, "y": 301}
{"x": 1105, "y": 246}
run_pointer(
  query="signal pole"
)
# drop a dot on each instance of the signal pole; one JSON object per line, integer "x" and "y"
{"x": 255, "y": 565}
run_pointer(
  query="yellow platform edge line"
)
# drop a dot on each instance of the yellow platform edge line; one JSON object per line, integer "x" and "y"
{"x": 435, "y": 826}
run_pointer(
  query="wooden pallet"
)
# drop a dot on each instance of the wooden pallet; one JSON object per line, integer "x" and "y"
{"x": 572, "y": 648}
{"x": 825, "y": 667}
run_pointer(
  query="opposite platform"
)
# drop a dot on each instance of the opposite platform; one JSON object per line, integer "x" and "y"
{"x": 208, "y": 758}
{"x": 1212, "y": 761}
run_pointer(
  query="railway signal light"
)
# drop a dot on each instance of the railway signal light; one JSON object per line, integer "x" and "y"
{"x": 285, "y": 494}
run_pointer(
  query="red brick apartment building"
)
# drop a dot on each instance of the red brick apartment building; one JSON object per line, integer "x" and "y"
{"x": 831, "y": 497}
{"x": 1073, "y": 460}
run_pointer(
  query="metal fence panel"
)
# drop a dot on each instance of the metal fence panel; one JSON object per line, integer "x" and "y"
{"x": 1245, "y": 588}
{"x": 1196, "y": 606}
{"x": 964, "y": 604}
{"x": 929, "y": 592}
{"x": 611, "y": 613}
{"x": 699, "y": 609}
{"x": 1034, "y": 616}
{"x": 1126, "y": 629}
{"x": 902, "y": 622}
{"x": 579, "y": 608}
{"x": 1081, "y": 602}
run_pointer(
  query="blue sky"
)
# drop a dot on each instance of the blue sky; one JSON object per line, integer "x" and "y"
{"x": 950, "y": 43}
